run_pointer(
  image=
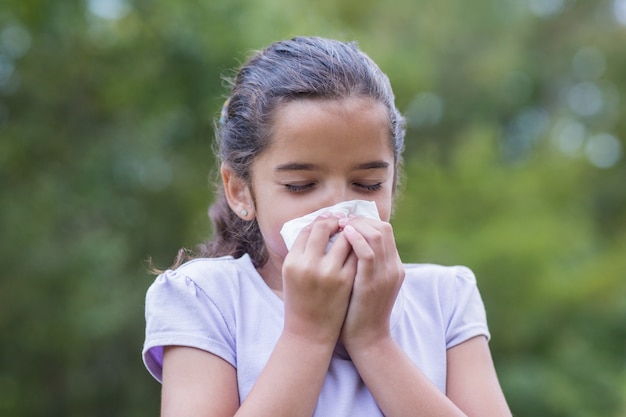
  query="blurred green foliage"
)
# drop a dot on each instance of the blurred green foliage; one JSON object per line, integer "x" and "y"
{"x": 514, "y": 166}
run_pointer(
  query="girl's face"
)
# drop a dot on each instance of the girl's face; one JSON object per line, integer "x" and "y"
{"x": 322, "y": 152}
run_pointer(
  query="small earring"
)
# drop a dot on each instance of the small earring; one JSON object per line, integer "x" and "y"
{"x": 244, "y": 213}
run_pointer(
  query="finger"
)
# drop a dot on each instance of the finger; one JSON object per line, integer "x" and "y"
{"x": 299, "y": 244}
{"x": 379, "y": 235}
{"x": 351, "y": 263}
{"x": 322, "y": 229}
{"x": 359, "y": 243}
{"x": 340, "y": 248}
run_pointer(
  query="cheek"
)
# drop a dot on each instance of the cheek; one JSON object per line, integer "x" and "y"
{"x": 384, "y": 206}
{"x": 270, "y": 229}
{"x": 385, "y": 213}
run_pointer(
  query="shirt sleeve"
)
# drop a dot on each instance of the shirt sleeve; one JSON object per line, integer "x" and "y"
{"x": 467, "y": 317}
{"x": 179, "y": 313}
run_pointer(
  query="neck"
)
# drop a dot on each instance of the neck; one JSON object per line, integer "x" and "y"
{"x": 271, "y": 273}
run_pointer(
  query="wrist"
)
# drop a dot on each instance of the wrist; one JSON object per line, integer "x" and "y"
{"x": 370, "y": 348}
{"x": 315, "y": 337}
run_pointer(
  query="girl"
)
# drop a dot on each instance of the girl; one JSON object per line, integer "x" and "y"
{"x": 249, "y": 328}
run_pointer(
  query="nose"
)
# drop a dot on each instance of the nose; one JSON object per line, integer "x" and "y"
{"x": 336, "y": 192}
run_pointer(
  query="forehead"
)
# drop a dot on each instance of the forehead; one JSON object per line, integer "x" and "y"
{"x": 357, "y": 109}
{"x": 352, "y": 125}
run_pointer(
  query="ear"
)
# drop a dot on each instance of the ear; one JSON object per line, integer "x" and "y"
{"x": 238, "y": 193}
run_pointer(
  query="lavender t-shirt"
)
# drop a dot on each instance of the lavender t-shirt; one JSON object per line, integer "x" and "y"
{"x": 223, "y": 306}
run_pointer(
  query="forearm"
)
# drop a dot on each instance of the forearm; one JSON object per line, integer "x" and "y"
{"x": 291, "y": 381}
{"x": 399, "y": 387}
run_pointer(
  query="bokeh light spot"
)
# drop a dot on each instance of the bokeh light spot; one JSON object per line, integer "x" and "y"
{"x": 569, "y": 136}
{"x": 426, "y": 109}
{"x": 6, "y": 69}
{"x": 603, "y": 150}
{"x": 585, "y": 99}
{"x": 523, "y": 132}
{"x": 619, "y": 8}
{"x": 108, "y": 9}
{"x": 546, "y": 8}
{"x": 14, "y": 41}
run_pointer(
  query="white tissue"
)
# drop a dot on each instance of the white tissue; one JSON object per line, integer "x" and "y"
{"x": 292, "y": 228}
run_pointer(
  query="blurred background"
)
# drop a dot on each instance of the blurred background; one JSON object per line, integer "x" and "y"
{"x": 515, "y": 166}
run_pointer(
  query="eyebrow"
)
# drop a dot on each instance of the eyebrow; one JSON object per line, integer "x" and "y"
{"x": 373, "y": 165}
{"x": 297, "y": 166}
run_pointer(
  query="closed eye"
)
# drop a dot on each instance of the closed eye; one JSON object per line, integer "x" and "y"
{"x": 298, "y": 188}
{"x": 369, "y": 187}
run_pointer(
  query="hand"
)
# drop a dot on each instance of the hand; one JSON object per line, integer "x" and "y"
{"x": 316, "y": 284}
{"x": 379, "y": 275}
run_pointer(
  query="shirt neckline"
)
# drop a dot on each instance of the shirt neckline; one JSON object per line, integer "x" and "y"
{"x": 278, "y": 304}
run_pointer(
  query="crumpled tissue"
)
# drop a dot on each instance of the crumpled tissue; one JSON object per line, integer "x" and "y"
{"x": 292, "y": 228}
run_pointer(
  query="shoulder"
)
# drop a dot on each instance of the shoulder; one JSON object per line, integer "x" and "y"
{"x": 436, "y": 285}
{"x": 199, "y": 286}
{"x": 438, "y": 276}
{"x": 452, "y": 291}
{"x": 202, "y": 269}
{"x": 208, "y": 275}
